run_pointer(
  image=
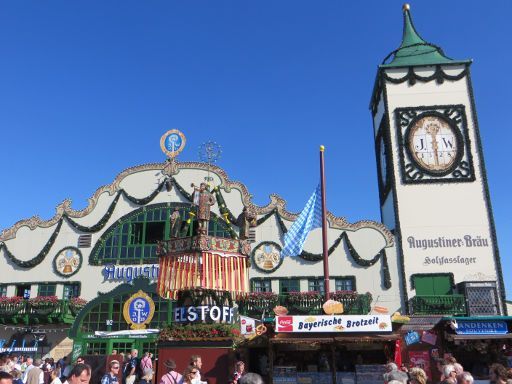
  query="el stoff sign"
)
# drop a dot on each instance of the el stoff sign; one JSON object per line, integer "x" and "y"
{"x": 340, "y": 323}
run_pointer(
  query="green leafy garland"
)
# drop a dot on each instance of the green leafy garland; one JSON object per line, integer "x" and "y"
{"x": 355, "y": 256}
{"x": 80, "y": 258}
{"x": 319, "y": 256}
{"x": 106, "y": 217}
{"x": 94, "y": 228}
{"x": 224, "y": 210}
{"x": 180, "y": 189}
{"x": 280, "y": 222}
{"x": 367, "y": 263}
{"x": 100, "y": 224}
{"x": 40, "y": 256}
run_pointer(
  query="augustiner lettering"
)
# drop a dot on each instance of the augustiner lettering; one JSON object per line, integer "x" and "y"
{"x": 467, "y": 241}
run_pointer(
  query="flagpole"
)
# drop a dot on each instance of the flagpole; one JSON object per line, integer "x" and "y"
{"x": 324, "y": 225}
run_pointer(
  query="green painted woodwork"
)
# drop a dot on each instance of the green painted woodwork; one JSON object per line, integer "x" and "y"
{"x": 432, "y": 284}
{"x": 25, "y": 313}
{"x": 109, "y": 306}
{"x": 414, "y": 51}
{"x": 289, "y": 285}
{"x": 132, "y": 239}
{"x": 438, "y": 305}
{"x": 256, "y": 305}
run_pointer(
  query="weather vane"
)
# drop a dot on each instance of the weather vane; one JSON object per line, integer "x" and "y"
{"x": 209, "y": 152}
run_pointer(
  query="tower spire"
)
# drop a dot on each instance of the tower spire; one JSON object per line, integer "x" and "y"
{"x": 414, "y": 50}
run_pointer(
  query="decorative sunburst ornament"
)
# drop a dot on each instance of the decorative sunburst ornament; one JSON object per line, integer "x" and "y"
{"x": 210, "y": 152}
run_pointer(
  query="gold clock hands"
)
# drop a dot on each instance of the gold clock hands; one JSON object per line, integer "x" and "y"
{"x": 433, "y": 130}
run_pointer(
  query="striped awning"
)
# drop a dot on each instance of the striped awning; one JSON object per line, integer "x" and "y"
{"x": 218, "y": 271}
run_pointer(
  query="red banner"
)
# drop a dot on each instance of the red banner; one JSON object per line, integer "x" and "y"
{"x": 398, "y": 353}
{"x": 421, "y": 359}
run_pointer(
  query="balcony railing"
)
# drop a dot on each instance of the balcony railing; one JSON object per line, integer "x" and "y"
{"x": 438, "y": 305}
{"x": 16, "y": 310}
{"x": 304, "y": 303}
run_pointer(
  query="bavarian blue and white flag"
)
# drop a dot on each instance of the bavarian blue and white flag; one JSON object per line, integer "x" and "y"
{"x": 309, "y": 219}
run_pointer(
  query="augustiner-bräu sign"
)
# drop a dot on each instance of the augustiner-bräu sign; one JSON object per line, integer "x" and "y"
{"x": 334, "y": 323}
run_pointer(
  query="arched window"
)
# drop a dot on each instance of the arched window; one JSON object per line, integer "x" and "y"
{"x": 108, "y": 314}
{"x": 132, "y": 239}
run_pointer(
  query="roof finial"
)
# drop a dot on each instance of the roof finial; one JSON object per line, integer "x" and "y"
{"x": 414, "y": 50}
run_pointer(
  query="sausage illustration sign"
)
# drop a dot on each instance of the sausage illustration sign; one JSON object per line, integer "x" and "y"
{"x": 342, "y": 323}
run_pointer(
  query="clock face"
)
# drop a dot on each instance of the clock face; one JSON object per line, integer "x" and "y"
{"x": 433, "y": 144}
{"x": 383, "y": 161}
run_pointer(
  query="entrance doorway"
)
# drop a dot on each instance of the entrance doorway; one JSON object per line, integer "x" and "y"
{"x": 124, "y": 346}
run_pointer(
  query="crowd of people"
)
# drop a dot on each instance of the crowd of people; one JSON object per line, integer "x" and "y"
{"x": 451, "y": 372}
{"x": 26, "y": 370}
{"x": 192, "y": 373}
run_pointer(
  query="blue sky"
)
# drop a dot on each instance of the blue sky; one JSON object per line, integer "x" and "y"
{"x": 88, "y": 87}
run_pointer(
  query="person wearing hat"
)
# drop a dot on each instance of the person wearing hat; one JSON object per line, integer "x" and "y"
{"x": 171, "y": 377}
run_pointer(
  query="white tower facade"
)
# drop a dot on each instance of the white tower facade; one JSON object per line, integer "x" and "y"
{"x": 433, "y": 186}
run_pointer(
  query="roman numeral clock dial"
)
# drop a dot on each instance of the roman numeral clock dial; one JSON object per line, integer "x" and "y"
{"x": 434, "y": 144}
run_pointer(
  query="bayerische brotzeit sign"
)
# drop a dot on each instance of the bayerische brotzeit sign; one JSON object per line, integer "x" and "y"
{"x": 334, "y": 323}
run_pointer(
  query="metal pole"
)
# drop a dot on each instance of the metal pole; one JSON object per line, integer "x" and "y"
{"x": 324, "y": 224}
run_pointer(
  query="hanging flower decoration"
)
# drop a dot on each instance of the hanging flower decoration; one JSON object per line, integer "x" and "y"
{"x": 43, "y": 301}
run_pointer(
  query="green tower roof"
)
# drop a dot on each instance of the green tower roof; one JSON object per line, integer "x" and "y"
{"x": 414, "y": 50}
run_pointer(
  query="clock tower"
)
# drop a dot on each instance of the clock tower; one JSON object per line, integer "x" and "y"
{"x": 432, "y": 179}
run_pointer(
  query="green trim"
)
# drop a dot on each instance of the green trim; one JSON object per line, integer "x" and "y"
{"x": 142, "y": 253}
{"x": 77, "y": 268}
{"x": 138, "y": 284}
{"x": 301, "y": 278}
{"x": 439, "y": 274}
{"x": 414, "y": 50}
{"x": 46, "y": 285}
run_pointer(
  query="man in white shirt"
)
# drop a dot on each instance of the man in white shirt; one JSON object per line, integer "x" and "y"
{"x": 30, "y": 365}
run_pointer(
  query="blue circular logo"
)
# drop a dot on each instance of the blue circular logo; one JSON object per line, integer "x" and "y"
{"x": 172, "y": 142}
{"x": 139, "y": 310}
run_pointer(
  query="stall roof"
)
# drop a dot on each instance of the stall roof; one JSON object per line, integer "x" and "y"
{"x": 330, "y": 338}
{"x": 452, "y": 337}
{"x": 421, "y": 323}
{"x": 478, "y": 318}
